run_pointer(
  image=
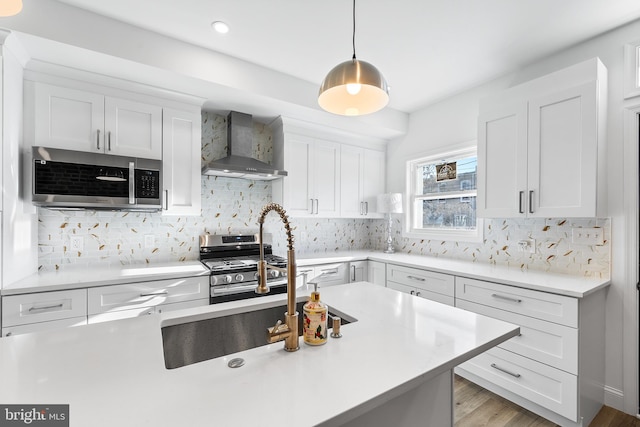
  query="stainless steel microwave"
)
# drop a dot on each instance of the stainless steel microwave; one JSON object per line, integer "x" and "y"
{"x": 66, "y": 179}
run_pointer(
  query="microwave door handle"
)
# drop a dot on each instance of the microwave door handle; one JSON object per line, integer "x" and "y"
{"x": 132, "y": 183}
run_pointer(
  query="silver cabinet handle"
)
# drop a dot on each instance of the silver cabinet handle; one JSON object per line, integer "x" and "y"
{"x": 353, "y": 273}
{"x": 418, "y": 293}
{"x": 166, "y": 200}
{"x": 109, "y": 141}
{"x": 155, "y": 294}
{"x": 317, "y": 206}
{"x": 311, "y": 207}
{"x": 494, "y": 366}
{"x": 98, "y": 139}
{"x": 9, "y": 334}
{"x": 48, "y": 307}
{"x": 361, "y": 208}
{"x": 132, "y": 183}
{"x": 329, "y": 271}
{"x": 412, "y": 292}
{"x": 531, "y": 201}
{"x": 366, "y": 208}
{"x": 520, "y": 196}
{"x": 419, "y": 279}
{"x": 506, "y": 298}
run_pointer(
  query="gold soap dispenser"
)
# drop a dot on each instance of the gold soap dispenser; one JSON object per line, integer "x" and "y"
{"x": 314, "y": 322}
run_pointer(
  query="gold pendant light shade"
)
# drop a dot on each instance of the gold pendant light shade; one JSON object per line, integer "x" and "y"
{"x": 353, "y": 88}
{"x": 10, "y": 7}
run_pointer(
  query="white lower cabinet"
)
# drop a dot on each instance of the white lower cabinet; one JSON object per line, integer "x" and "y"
{"x": 144, "y": 295}
{"x": 426, "y": 284}
{"x": 555, "y": 368}
{"x": 377, "y": 273}
{"x": 358, "y": 271}
{"x": 43, "y": 326}
{"x": 326, "y": 274}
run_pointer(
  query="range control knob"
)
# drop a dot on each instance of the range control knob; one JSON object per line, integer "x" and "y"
{"x": 274, "y": 273}
{"x": 239, "y": 277}
{"x": 227, "y": 279}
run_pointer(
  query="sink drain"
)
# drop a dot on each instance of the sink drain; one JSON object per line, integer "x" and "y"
{"x": 236, "y": 363}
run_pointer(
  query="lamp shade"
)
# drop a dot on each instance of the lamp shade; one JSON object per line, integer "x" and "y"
{"x": 353, "y": 88}
{"x": 10, "y": 7}
{"x": 390, "y": 203}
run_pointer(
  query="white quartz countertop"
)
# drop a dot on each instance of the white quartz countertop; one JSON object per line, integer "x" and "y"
{"x": 84, "y": 277}
{"x": 562, "y": 284}
{"x": 113, "y": 373}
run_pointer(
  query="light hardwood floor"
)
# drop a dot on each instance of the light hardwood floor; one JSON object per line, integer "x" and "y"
{"x": 477, "y": 407}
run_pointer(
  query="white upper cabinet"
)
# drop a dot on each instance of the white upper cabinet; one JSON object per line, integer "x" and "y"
{"x": 362, "y": 174}
{"x": 539, "y": 144}
{"x": 329, "y": 175}
{"x": 181, "y": 132}
{"x": 312, "y": 185}
{"x": 81, "y": 120}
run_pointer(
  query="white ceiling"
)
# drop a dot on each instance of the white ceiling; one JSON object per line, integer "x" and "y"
{"x": 427, "y": 49}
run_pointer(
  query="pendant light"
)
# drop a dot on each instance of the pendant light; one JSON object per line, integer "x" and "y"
{"x": 354, "y": 87}
{"x": 10, "y": 7}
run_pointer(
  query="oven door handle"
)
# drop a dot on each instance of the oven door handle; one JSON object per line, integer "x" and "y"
{"x": 240, "y": 288}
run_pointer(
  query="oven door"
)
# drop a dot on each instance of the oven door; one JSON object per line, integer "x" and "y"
{"x": 246, "y": 290}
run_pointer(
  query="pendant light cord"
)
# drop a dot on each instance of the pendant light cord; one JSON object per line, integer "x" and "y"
{"x": 354, "y": 30}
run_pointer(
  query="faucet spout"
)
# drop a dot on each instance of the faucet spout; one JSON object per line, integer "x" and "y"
{"x": 289, "y": 331}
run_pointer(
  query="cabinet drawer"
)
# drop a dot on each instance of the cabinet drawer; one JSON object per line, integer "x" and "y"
{"x": 421, "y": 279}
{"x": 43, "y": 326}
{"x": 120, "y": 314}
{"x": 433, "y": 296}
{"x": 147, "y": 294}
{"x": 541, "y": 305}
{"x": 43, "y": 307}
{"x": 164, "y": 308}
{"x": 551, "y": 388}
{"x": 546, "y": 342}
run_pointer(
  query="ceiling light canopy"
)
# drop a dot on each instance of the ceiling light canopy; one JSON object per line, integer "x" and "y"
{"x": 10, "y": 7}
{"x": 354, "y": 87}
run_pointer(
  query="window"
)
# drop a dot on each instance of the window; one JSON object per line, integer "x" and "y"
{"x": 442, "y": 197}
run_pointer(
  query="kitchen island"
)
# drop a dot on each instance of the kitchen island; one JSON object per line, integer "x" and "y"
{"x": 393, "y": 366}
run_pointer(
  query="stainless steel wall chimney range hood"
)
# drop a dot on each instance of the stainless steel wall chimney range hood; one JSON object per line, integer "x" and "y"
{"x": 239, "y": 163}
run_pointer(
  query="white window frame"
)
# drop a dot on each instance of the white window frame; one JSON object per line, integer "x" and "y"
{"x": 410, "y": 199}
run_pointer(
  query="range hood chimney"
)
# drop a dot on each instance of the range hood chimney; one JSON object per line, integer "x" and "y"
{"x": 239, "y": 163}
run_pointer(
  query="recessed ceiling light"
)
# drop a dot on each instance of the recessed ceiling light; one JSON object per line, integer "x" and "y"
{"x": 220, "y": 27}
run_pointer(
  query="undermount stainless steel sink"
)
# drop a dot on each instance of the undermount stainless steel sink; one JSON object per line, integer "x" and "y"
{"x": 196, "y": 341}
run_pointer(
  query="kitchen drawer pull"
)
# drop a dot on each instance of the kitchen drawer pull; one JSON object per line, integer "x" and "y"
{"x": 329, "y": 271}
{"x": 506, "y": 298}
{"x": 418, "y": 293}
{"x": 9, "y": 334}
{"x": 494, "y": 366}
{"x": 412, "y": 292}
{"x": 48, "y": 307}
{"x": 155, "y": 294}
{"x": 419, "y": 279}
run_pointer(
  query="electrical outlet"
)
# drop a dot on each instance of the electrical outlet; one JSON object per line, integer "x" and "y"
{"x": 149, "y": 241}
{"x": 587, "y": 236}
{"x": 76, "y": 243}
{"x": 527, "y": 245}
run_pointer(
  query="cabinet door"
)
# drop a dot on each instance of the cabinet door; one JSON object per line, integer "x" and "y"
{"x": 563, "y": 153}
{"x": 358, "y": 271}
{"x": 377, "y": 273}
{"x": 43, "y": 326}
{"x": 65, "y": 118}
{"x": 351, "y": 182}
{"x": 296, "y": 190}
{"x": 133, "y": 128}
{"x": 502, "y": 161}
{"x": 373, "y": 181}
{"x": 325, "y": 178}
{"x": 181, "y": 162}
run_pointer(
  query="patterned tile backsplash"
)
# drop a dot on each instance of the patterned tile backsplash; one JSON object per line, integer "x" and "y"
{"x": 233, "y": 205}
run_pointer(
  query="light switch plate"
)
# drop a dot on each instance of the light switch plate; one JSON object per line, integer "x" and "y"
{"x": 587, "y": 236}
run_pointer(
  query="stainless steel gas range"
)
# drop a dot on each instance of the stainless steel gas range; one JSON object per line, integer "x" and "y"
{"x": 233, "y": 262}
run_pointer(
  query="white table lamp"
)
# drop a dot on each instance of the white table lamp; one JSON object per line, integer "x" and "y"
{"x": 389, "y": 203}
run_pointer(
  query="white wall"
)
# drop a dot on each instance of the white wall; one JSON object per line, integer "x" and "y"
{"x": 453, "y": 121}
